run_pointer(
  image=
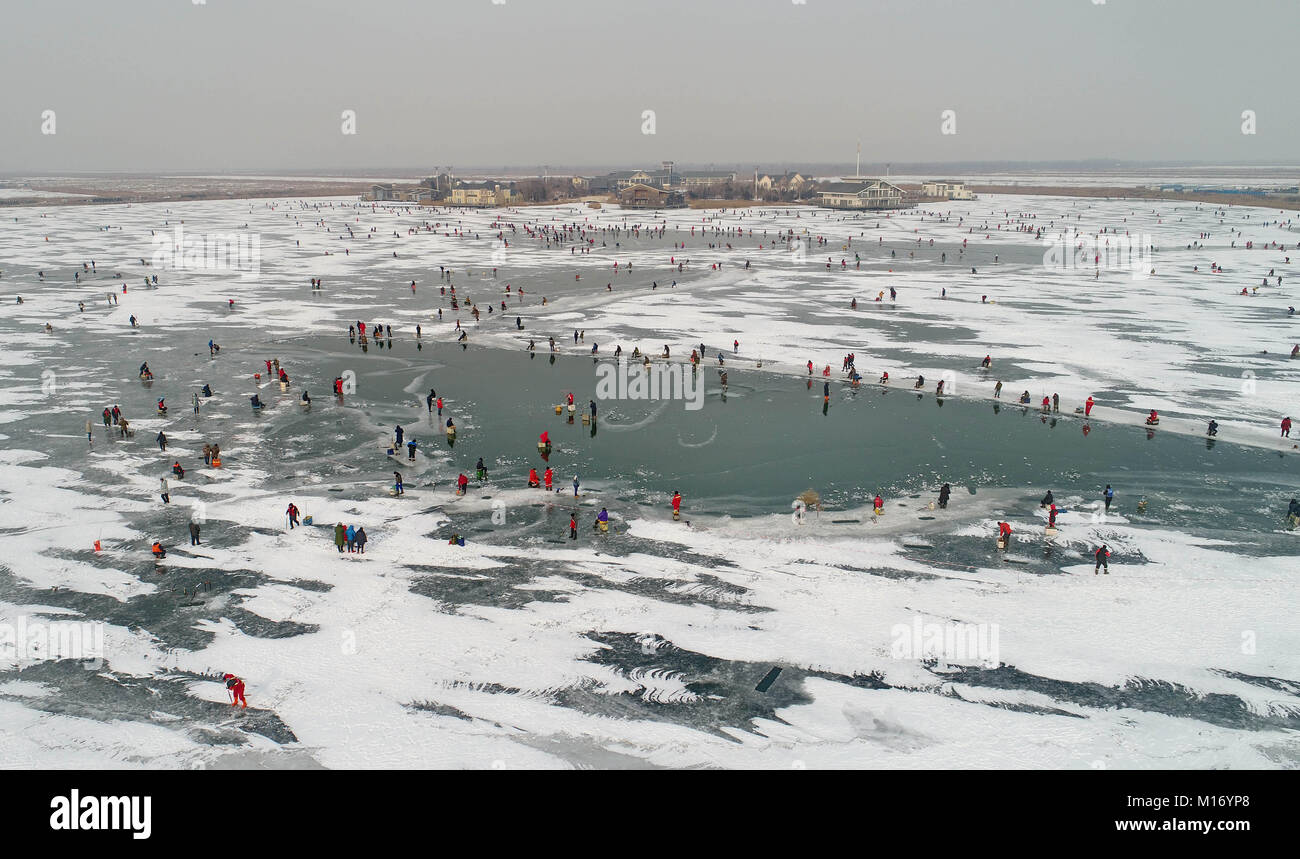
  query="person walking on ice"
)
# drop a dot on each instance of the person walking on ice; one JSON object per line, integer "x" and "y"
{"x": 1101, "y": 555}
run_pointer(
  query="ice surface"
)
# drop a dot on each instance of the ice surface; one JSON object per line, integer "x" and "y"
{"x": 643, "y": 648}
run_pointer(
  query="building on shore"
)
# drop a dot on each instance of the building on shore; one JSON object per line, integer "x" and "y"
{"x": 484, "y": 194}
{"x": 666, "y": 178}
{"x": 947, "y": 189}
{"x": 613, "y": 183}
{"x": 688, "y": 179}
{"x": 860, "y": 192}
{"x": 401, "y": 194}
{"x": 641, "y": 196}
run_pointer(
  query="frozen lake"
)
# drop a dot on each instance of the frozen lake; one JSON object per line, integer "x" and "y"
{"x": 647, "y": 646}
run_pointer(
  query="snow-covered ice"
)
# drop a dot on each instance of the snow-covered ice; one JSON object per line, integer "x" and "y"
{"x": 644, "y": 648}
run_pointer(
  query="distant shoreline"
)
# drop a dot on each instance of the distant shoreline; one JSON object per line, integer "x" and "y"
{"x": 89, "y": 195}
{"x": 1289, "y": 202}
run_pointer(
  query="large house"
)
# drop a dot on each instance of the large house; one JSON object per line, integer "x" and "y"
{"x": 484, "y": 194}
{"x": 700, "y": 178}
{"x": 613, "y": 183}
{"x": 666, "y": 177}
{"x": 641, "y": 196}
{"x": 785, "y": 182}
{"x": 949, "y": 189}
{"x": 394, "y": 193}
{"x": 861, "y": 193}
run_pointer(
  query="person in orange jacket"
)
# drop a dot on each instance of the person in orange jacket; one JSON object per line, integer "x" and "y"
{"x": 235, "y": 687}
{"x": 677, "y": 502}
{"x": 533, "y": 481}
{"x": 549, "y": 476}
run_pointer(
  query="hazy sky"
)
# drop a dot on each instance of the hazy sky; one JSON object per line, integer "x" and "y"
{"x": 156, "y": 85}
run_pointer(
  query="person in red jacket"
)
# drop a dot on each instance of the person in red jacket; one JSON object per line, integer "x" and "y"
{"x": 533, "y": 481}
{"x": 235, "y": 687}
{"x": 1286, "y": 427}
{"x": 462, "y": 483}
{"x": 1087, "y": 407}
{"x": 548, "y": 477}
{"x": 879, "y": 503}
{"x": 573, "y": 526}
{"x": 677, "y": 504}
{"x": 545, "y": 438}
{"x": 1004, "y": 532}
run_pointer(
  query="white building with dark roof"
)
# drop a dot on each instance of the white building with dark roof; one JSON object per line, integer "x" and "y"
{"x": 861, "y": 193}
